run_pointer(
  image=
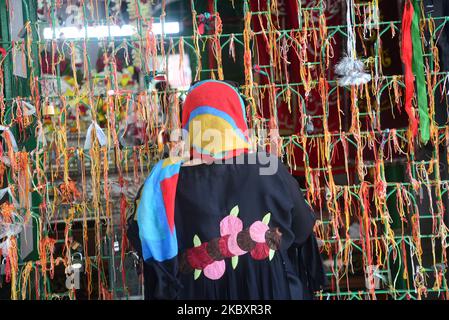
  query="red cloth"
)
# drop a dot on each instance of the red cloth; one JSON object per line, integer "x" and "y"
{"x": 168, "y": 187}
{"x": 407, "y": 59}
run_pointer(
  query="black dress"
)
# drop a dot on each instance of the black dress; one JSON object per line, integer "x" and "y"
{"x": 206, "y": 194}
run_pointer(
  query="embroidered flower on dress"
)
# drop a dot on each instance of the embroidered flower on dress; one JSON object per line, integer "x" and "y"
{"x": 259, "y": 240}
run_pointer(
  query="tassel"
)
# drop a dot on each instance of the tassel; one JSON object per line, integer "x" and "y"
{"x": 351, "y": 69}
{"x": 231, "y": 51}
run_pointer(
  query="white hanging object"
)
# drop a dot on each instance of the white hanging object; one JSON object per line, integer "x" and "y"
{"x": 350, "y": 69}
{"x": 29, "y": 109}
{"x": 8, "y": 230}
{"x": 310, "y": 127}
{"x": 5, "y": 191}
{"x": 11, "y": 137}
{"x": 40, "y": 134}
{"x": 4, "y": 247}
{"x": 99, "y": 134}
{"x": 5, "y": 160}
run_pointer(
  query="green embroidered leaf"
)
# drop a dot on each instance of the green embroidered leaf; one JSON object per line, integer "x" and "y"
{"x": 234, "y": 261}
{"x": 235, "y": 211}
{"x": 266, "y": 219}
{"x": 196, "y": 241}
{"x": 196, "y": 274}
{"x": 271, "y": 254}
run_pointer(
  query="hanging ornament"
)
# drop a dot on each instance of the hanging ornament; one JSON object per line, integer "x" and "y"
{"x": 351, "y": 69}
{"x": 98, "y": 133}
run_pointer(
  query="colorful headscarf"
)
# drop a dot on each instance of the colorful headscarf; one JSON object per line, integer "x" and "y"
{"x": 209, "y": 105}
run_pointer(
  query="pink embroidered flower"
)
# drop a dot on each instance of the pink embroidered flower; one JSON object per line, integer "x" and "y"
{"x": 233, "y": 246}
{"x": 215, "y": 270}
{"x": 210, "y": 256}
{"x": 230, "y": 224}
{"x": 257, "y": 231}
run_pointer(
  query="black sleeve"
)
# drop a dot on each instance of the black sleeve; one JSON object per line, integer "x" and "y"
{"x": 132, "y": 231}
{"x": 160, "y": 282}
{"x": 303, "y": 217}
{"x": 309, "y": 262}
{"x": 311, "y": 270}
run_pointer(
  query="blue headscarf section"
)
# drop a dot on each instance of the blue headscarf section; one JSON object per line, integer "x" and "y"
{"x": 155, "y": 212}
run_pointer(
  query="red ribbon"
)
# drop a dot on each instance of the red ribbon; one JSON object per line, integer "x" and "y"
{"x": 407, "y": 57}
